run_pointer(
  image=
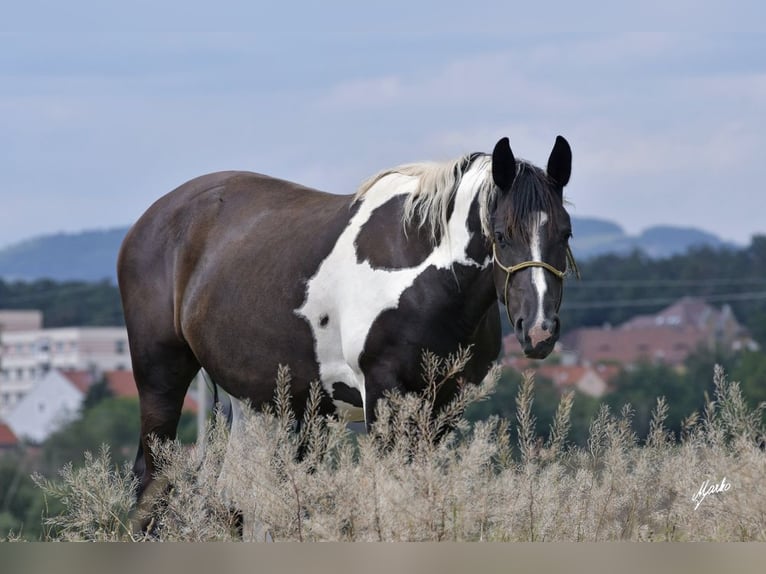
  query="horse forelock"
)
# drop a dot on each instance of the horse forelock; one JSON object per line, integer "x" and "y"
{"x": 532, "y": 192}
{"x": 427, "y": 205}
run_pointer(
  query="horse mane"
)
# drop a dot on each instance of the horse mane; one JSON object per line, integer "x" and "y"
{"x": 429, "y": 203}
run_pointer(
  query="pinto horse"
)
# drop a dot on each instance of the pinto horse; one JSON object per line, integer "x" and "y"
{"x": 236, "y": 273}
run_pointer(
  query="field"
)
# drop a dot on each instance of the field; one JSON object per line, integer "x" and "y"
{"x": 417, "y": 477}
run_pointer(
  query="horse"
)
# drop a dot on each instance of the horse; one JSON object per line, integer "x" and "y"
{"x": 236, "y": 273}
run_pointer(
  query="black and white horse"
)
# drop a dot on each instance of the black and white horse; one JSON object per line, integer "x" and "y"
{"x": 237, "y": 273}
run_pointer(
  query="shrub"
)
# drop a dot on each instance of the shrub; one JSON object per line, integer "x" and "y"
{"x": 422, "y": 475}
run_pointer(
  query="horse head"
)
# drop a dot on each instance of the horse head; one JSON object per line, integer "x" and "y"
{"x": 530, "y": 230}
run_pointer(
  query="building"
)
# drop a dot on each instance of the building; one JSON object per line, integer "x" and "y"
{"x": 53, "y": 401}
{"x": 668, "y": 337}
{"x": 8, "y": 440}
{"x": 57, "y": 398}
{"x": 27, "y": 355}
{"x": 592, "y": 381}
{"x": 20, "y": 320}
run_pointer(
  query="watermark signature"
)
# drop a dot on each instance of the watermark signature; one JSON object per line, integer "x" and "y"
{"x": 708, "y": 488}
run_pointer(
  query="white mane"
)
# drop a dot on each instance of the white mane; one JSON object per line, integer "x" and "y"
{"x": 438, "y": 182}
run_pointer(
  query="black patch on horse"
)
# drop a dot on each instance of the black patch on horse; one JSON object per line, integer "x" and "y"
{"x": 401, "y": 248}
{"x": 342, "y": 392}
{"x": 442, "y": 309}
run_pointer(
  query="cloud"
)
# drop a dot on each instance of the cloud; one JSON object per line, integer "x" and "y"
{"x": 119, "y": 113}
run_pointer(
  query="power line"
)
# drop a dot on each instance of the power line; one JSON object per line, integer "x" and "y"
{"x": 647, "y": 302}
{"x": 703, "y": 282}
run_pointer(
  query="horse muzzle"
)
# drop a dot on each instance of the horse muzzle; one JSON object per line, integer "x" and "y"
{"x": 538, "y": 340}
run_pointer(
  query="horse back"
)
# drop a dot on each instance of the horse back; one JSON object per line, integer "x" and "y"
{"x": 220, "y": 263}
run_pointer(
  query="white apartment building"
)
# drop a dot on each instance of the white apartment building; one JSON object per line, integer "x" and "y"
{"x": 26, "y": 355}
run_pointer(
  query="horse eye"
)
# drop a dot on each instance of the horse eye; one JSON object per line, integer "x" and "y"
{"x": 500, "y": 237}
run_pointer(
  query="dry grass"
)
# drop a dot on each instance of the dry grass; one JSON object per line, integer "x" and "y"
{"x": 417, "y": 477}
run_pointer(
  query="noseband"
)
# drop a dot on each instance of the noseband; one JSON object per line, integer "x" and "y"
{"x": 510, "y": 270}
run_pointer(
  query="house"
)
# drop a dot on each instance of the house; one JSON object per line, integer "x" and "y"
{"x": 57, "y": 399}
{"x": 20, "y": 320}
{"x": 668, "y": 336}
{"x": 670, "y": 345}
{"x": 53, "y": 402}
{"x": 26, "y": 355}
{"x": 590, "y": 381}
{"x": 8, "y": 439}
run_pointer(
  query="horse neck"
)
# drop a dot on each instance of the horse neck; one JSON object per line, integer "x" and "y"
{"x": 471, "y": 256}
{"x": 465, "y": 232}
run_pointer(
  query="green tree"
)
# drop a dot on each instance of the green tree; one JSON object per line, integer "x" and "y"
{"x": 546, "y": 400}
{"x": 750, "y": 371}
{"x": 68, "y": 303}
{"x": 97, "y": 392}
{"x": 22, "y": 504}
{"x": 641, "y": 386}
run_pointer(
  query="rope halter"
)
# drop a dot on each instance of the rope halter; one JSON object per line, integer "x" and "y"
{"x": 510, "y": 270}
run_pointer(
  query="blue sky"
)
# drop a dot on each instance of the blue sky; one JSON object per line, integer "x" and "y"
{"x": 106, "y": 106}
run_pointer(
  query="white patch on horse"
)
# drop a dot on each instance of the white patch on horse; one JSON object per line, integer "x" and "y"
{"x": 354, "y": 294}
{"x": 539, "y": 219}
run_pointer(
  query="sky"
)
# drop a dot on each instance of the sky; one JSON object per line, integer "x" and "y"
{"x": 106, "y": 106}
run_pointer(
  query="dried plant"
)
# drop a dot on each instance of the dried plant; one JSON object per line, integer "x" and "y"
{"x": 423, "y": 474}
{"x": 97, "y": 498}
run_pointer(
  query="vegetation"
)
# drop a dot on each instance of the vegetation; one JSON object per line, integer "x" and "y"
{"x": 411, "y": 480}
{"x": 615, "y": 288}
{"x": 66, "y": 304}
{"x": 685, "y": 391}
{"x": 533, "y": 460}
{"x": 106, "y": 422}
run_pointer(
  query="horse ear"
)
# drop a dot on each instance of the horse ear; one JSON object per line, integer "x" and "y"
{"x": 560, "y": 162}
{"x": 503, "y": 165}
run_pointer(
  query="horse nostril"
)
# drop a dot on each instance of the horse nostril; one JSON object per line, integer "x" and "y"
{"x": 519, "y": 325}
{"x": 551, "y": 325}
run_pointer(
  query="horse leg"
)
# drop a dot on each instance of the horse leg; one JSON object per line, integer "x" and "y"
{"x": 244, "y": 521}
{"x": 162, "y": 378}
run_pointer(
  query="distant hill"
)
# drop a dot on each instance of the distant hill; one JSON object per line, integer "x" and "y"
{"x": 92, "y": 255}
{"x": 88, "y": 256}
{"x": 594, "y": 237}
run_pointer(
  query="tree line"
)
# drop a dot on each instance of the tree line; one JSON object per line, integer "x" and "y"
{"x": 66, "y": 303}
{"x": 613, "y": 289}
{"x": 685, "y": 390}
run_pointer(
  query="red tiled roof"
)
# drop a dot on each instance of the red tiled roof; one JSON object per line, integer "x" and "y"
{"x": 664, "y": 343}
{"x": 686, "y": 312}
{"x": 562, "y": 375}
{"x": 7, "y": 438}
{"x": 607, "y": 372}
{"x": 122, "y": 384}
{"x": 80, "y": 379}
